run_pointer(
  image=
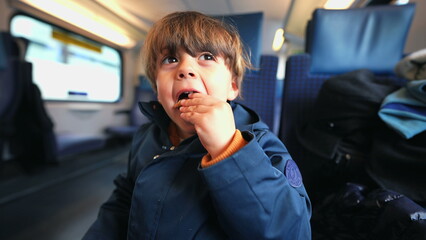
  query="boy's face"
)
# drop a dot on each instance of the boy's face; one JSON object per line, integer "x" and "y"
{"x": 182, "y": 73}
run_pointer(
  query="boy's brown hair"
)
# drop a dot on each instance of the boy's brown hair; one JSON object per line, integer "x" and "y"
{"x": 195, "y": 32}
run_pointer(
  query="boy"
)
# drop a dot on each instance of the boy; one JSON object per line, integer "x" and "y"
{"x": 205, "y": 167}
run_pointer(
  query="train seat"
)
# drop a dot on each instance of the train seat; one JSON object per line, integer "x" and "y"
{"x": 249, "y": 27}
{"x": 10, "y": 90}
{"x": 259, "y": 91}
{"x": 34, "y": 142}
{"x": 339, "y": 41}
{"x": 124, "y": 133}
{"x": 72, "y": 144}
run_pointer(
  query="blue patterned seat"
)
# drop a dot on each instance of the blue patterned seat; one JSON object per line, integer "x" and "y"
{"x": 30, "y": 130}
{"x": 259, "y": 91}
{"x": 301, "y": 88}
{"x": 124, "y": 133}
{"x": 10, "y": 89}
{"x": 340, "y": 41}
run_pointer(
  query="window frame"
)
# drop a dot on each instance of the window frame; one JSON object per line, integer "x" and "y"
{"x": 119, "y": 52}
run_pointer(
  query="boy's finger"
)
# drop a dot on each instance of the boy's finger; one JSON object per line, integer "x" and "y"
{"x": 197, "y": 101}
{"x": 196, "y": 95}
{"x": 195, "y": 108}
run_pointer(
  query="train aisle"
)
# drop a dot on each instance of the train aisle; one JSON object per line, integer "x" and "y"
{"x": 64, "y": 208}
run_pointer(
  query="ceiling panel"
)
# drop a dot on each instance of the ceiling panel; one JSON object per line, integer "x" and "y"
{"x": 216, "y": 7}
{"x": 152, "y": 10}
{"x": 149, "y": 11}
{"x": 301, "y": 13}
{"x": 273, "y": 9}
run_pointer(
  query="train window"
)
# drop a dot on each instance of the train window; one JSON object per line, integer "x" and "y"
{"x": 68, "y": 66}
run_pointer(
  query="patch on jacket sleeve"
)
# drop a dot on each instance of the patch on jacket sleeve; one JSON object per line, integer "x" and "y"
{"x": 293, "y": 174}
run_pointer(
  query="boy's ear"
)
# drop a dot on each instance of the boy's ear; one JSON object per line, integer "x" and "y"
{"x": 233, "y": 90}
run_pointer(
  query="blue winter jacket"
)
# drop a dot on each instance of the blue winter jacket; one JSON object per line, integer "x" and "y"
{"x": 257, "y": 193}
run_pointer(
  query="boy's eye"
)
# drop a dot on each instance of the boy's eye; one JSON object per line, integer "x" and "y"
{"x": 206, "y": 56}
{"x": 169, "y": 60}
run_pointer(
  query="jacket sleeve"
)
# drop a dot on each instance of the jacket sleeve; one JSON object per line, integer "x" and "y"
{"x": 258, "y": 193}
{"x": 113, "y": 216}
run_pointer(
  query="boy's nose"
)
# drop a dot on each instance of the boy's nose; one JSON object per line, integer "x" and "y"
{"x": 186, "y": 71}
{"x": 187, "y": 74}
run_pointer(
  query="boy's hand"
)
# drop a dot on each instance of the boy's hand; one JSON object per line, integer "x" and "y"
{"x": 213, "y": 120}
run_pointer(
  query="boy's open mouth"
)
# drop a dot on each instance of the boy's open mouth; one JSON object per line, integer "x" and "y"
{"x": 184, "y": 95}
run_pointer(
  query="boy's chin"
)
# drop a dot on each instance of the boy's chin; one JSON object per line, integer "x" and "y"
{"x": 187, "y": 131}
{"x": 186, "y": 126}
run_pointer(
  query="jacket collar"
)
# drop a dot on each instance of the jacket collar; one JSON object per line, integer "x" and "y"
{"x": 154, "y": 111}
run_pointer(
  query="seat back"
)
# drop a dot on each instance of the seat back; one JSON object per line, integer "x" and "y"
{"x": 249, "y": 27}
{"x": 34, "y": 142}
{"x": 10, "y": 88}
{"x": 259, "y": 91}
{"x": 143, "y": 93}
{"x": 339, "y": 41}
{"x": 370, "y": 37}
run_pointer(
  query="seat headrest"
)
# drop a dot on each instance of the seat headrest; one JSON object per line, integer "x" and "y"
{"x": 250, "y": 29}
{"x": 22, "y": 43}
{"x": 3, "y": 53}
{"x": 10, "y": 48}
{"x": 363, "y": 38}
{"x": 3, "y": 64}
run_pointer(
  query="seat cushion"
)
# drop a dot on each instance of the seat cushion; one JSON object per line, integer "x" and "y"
{"x": 69, "y": 144}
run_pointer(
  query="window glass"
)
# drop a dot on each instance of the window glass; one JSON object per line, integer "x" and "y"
{"x": 68, "y": 66}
